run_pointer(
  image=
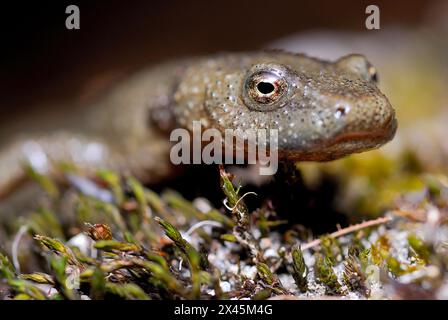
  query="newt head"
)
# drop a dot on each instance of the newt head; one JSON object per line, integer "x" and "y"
{"x": 322, "y": 110}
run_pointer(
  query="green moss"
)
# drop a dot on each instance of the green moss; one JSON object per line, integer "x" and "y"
{"x": 326, "y": 275}
{"x": 128, "y": 255}
{"x": 300, "y": 269}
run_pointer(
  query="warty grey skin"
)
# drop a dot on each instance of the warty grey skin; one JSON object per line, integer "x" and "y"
{"x": 322, "y": 110}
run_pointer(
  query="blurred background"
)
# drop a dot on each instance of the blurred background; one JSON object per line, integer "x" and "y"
{"x": 45, "y": 64}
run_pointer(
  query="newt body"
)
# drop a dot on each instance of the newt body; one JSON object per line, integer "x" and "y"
{"x": 322, "y": 110}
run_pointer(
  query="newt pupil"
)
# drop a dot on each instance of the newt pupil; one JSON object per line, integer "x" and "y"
{"x": 265, "y": 87}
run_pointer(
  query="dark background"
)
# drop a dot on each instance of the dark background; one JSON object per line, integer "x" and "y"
{"x": 44, "y": 62}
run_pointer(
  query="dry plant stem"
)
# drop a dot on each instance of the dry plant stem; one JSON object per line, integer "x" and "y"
{"x": 348, "y": 230}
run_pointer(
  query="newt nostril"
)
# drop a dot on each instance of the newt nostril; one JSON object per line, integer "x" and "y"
{"x": 341, "y": 111}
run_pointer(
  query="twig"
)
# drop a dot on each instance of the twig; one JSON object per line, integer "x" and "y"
{"x": 350, "y": 229}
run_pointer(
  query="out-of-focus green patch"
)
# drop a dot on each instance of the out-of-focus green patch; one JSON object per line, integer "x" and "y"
{"x": 113, "y": 181}
{"x": 368, "y": 183}
{"x": 44, "y": 221}
{"x": 423, "y": 93}
{"x": 47, "y": 184}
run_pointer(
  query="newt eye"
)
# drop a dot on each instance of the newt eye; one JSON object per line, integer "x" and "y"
{"x": 265, "y": 87}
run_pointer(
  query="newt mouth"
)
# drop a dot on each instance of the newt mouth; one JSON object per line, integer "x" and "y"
{"x": 368, "y": 137}
{"x": 359, "y": 141}
{"x": 376, "y": 137}
{"x": 345, "y": 144}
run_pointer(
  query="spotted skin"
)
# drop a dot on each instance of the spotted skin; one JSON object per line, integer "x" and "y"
{"x": 322, "y": 110}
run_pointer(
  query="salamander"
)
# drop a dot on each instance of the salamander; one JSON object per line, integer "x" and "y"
{"x": 323, "y": 110}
